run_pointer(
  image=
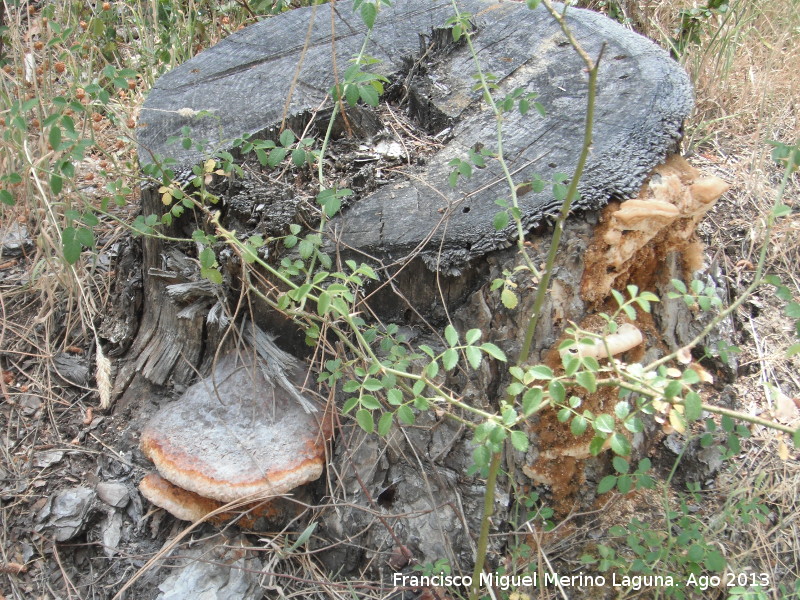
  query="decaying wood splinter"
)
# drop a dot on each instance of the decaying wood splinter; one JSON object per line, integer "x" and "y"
{"x": 626, "y": 337}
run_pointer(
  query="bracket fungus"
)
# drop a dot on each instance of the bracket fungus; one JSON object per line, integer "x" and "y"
{"x": 236, "y": 435}
{"x": 635, "y": 235}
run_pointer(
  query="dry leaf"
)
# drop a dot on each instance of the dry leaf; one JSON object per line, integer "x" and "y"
{"x": 785, "y": 408}
{"x": 783, "y": 451}
{"x": 684, "y": 355}
{"x": 704, "y": 375}
{"x": 12, "y": 568}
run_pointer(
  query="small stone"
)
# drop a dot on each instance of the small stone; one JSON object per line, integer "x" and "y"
{"x": 73, "y": 369}
{"x": 113, "y": 493}
{"x": 14, "y": 240}
{"x": 111, "y": 532}
{"x": 224, "y": 572}
{"x": 45, "y": 458}
{"x": 69, "y": 512}
{"x": 29, "y": 404}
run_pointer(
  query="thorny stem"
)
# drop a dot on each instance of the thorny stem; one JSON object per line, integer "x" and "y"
{"x": 326, "y": 140}
{"x": 483, "y": 537}
{"x": 500, "y": 156}
{"x": 625, "y": 384}
{"x": 544, "y": 283}
{"x": 363, "y": 345}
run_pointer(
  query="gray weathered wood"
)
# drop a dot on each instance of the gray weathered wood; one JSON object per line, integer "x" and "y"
{"x": 244, "y": 81}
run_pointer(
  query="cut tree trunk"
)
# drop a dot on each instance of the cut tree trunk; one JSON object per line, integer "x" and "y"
{"x": 436, "y": 244}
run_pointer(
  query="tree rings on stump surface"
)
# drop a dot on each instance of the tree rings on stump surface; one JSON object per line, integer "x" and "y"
{"x": 250, "y": 81}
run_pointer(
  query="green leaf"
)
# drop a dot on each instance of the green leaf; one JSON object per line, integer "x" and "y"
{"x": 6, "y": 198}
{"x": 473, "y": 335}
{"x": 604, "y": 423}
{"x": 596, "y": 445}
{"x": 56, "y": 184}
{"x": 532, "y": 399}
{"x": 693, "y": 406}
{"x": 451, "y": 335}
{"x": 793, "y": 310}
{"x": 395, "y": 397}
{"x": 306, "y": 249}
{"x": 781, "y": 210}
{"x": 481, "y": 455}
{"x": 557, "y": 391}
{"x": 620, "y": 444}
{"x": 368, "y": 13}
{"x": 298, "y": 157}
{"x": 501, "y": 220}
{"x": 634, "y": 425}
{"x": 519, "y": 440}
{"x": 473, "y": 356}
{"x": 71, "y": 247}
{"x": 303, "y": 537}
{"x": 349, "y": 405}
{"x": 607, "y": 484}
{"x": 624, "y": 484}
{"x": 351, "y": 94}
{"x": 323, "y": 303}
{"x": 622, "y": 409}
{"x": 427, "y": 350}
{"x": 727, "y": 423}
{"x": 796, "y": 438}
{"x": 405, "y": 414}
{"x": 509, "y": 298}
{"x": 690, "y": 376}
{"x": 365, "y": 420}
{"x": 432, "y": 370}
{"x": 372, "y": 384}
{"x": 369, "y": 95}
{"x": 287, "y": 138}
{"x": 207, "y": 258}
{"x": 370, "y": 402}
{"x": 643, "y": 304}
{"x": 541, "y": 372}
{"x": 385, "y": 424}
{"x": 618, "y": 297}
{"x": 620, "y": 465}
{"x": 276, "y": 156}
{"x": 578, "y": 425}
{"x": 54, "y": 137}
{"x": 493, "y": 351}
{"x": 449, "y": 359}
{"x": 213, "y": 275}
{"x": 85, "y": 237}
{"x": 586, "y": 379}
{"x": 715, "y": 561}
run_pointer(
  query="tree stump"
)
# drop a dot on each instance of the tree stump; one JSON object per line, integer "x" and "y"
{"x": 436, "y": 244}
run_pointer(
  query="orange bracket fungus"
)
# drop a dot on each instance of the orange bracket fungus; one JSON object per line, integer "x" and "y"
{"x": 236, "y": 435}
